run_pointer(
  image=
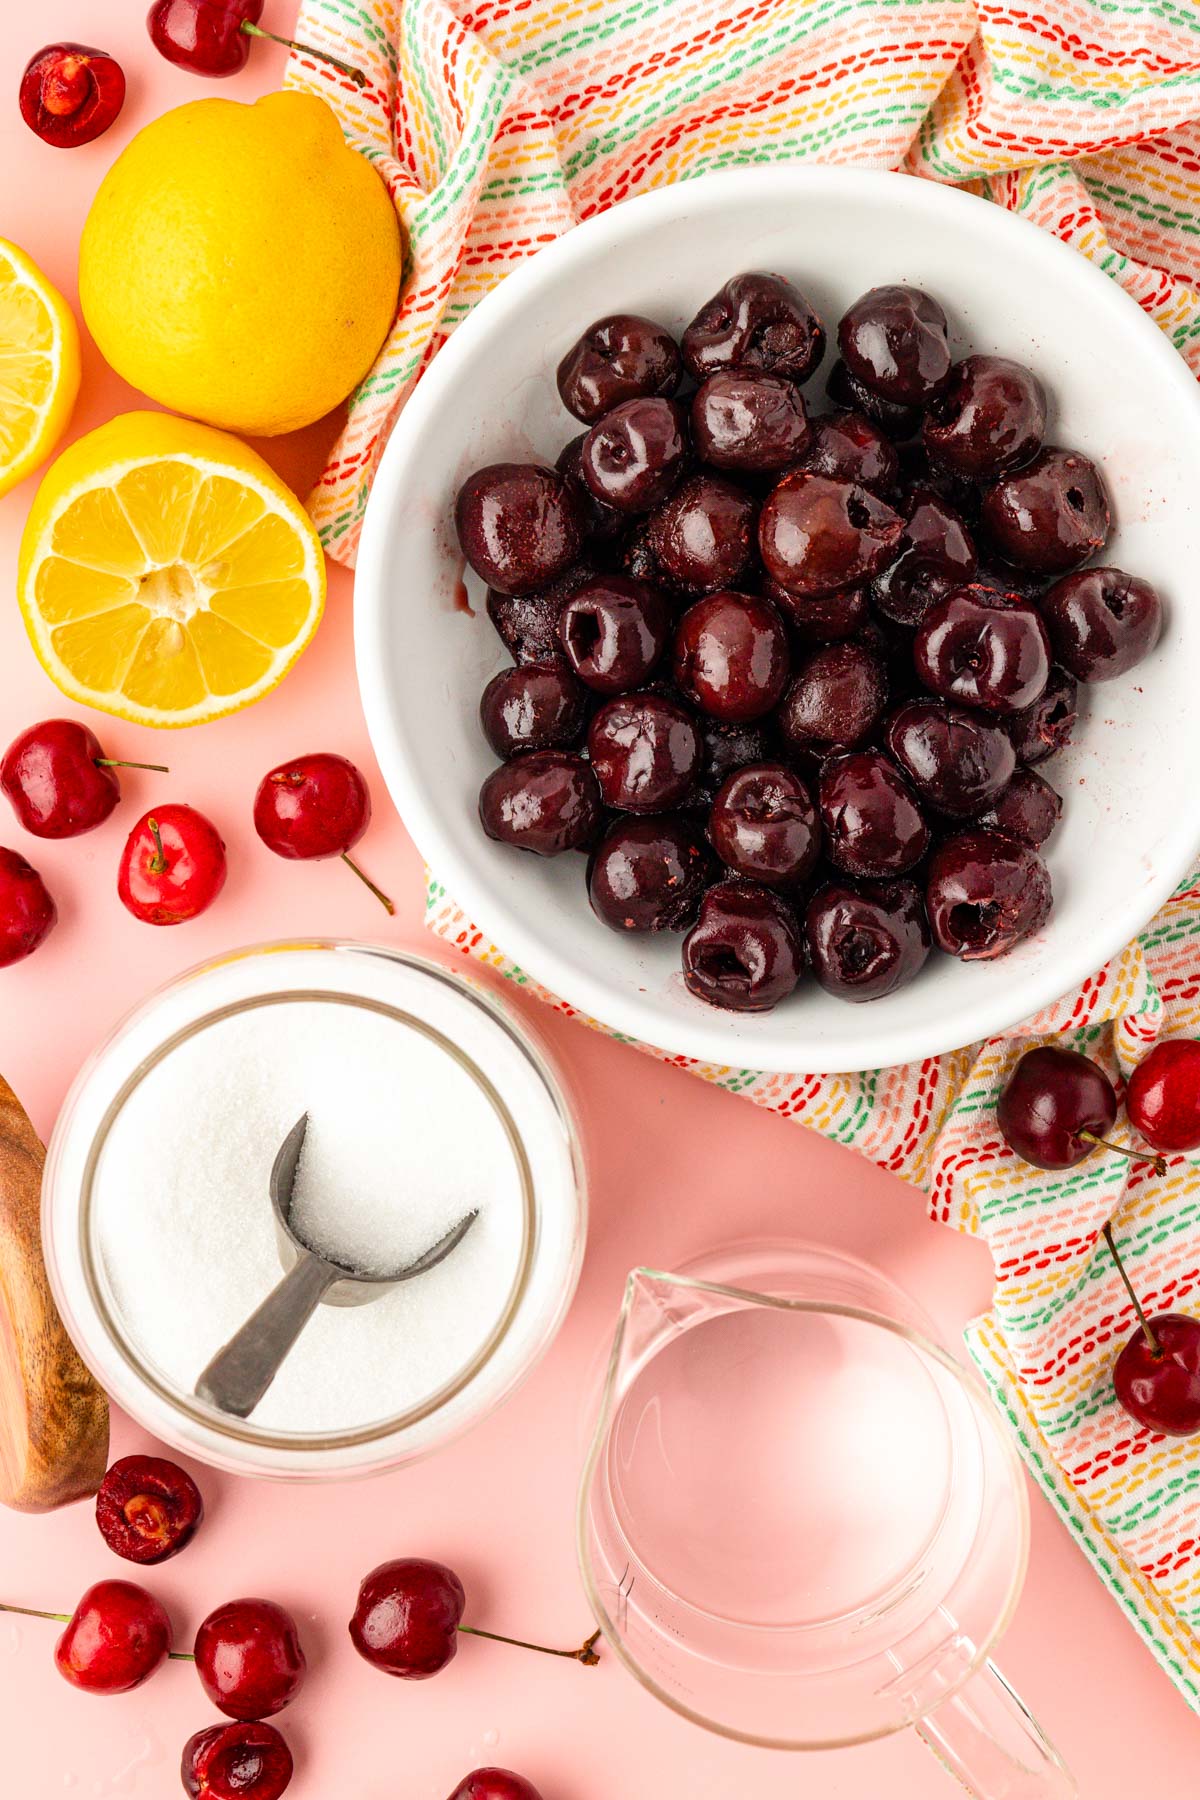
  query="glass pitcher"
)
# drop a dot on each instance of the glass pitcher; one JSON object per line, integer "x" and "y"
{"x": 801, "y": 1523}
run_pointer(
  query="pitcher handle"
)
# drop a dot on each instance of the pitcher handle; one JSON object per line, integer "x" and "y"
{"x": 989, "y": 1740}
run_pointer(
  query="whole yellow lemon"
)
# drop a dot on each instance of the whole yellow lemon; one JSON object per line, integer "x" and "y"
{"x": 241, "y": 264}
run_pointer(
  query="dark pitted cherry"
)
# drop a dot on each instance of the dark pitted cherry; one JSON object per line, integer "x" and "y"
{"x": 745, "y": 952}
{"x": 1038, "y": 731}
{"x": 764, "y": 825}
{"x": 621, "y": 357}
{"x": 983, "y": 893}
{"x": 988, "y": 419}
{"x": 819, "y": 618}
{"x": 538, "y": 706}
{"x": 634, "y": 455}
{"x": 613, "y": 631}
{"x": 983, "y": 649}
{"x": 725, "y": 748}
{"x": 895, "y": 341}
{"x": 1029, "y": 809}
{"x": 703, "y": 536}
{"x": 519, "y": 525}
{"x": 649, "y": 874}
{"x": 957, "y": 760}
{"x": 1051, "y": 515}
{"x": 816, "y": 536}
{"x": 835, "y": 699}
{"x": 847, "y": 446}
{"x": 866, "y": 940}
{"x": 731, "y": 656}
{"x": 547, "y": 802}
{"x": 934, "y": 556}
{"x": 756, "y": 321}
{"x": 872, "y": 822}
{"x": 846, "y": 390}
{"x": 1102, "y": 622}
{"x": 601, "y": 523}
{"x": 527, "y": 624}
{"x": 745, "y": 419}
{"x": 645, "y": 752}
{"x": 1041, "y": 730}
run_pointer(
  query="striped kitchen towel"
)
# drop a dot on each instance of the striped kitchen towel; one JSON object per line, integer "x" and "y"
{"x": 497, "y": 126}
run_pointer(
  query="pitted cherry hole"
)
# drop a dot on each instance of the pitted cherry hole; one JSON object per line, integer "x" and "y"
{"x": 858, "y": 512}
{"x": 584, "y": 633}
{"x": 975, "y": 925}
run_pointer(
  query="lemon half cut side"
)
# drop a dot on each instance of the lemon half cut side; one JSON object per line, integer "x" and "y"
{"x": 39, "y": 366}
{"x": 166, "y": 573}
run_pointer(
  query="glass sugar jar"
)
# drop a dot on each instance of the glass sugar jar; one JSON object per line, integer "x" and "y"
{"x": 426, "y": 1097}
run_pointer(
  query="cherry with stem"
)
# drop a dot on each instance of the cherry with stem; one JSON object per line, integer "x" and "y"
{"x": 1156, "y": 1377}
{"x": 35, "y": 1612}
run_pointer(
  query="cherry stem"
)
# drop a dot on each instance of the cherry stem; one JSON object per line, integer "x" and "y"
{"x": 356, "y": 75}
{"x": 586, "y": 1654}
{"x": 1143, "y": 1321}
{"x": 367, "y": 882}
{"x": 33, "y": 1612}
{"x": 114, "y": 762}
{"x": 1157, "y": 1163}
{"x": 158, "y": 862}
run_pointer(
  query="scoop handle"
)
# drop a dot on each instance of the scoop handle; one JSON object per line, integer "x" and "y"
{"x": 240, "y": 1374}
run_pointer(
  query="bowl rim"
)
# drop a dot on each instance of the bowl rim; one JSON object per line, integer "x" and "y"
{"x": 700, "y": 1034}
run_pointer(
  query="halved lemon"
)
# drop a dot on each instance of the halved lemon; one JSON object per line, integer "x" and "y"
{"x": 39, "y": 365}
{"x": 166, "y": 573}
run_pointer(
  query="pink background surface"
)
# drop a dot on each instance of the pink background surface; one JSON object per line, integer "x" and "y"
{"x": 675, "y": 1168}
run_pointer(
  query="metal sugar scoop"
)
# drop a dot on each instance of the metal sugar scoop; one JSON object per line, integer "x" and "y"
{"x": 241, "y": 1372}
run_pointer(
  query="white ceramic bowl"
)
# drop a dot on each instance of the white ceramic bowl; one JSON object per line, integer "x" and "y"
{"x": 1120, "y": 393}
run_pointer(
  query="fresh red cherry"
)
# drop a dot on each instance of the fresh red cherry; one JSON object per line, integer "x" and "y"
{"x": 27, "y": 911}
{"x": 213, "y": 37}
{"x": 71, "y": 94}
{"x": 495, "y": 1784}
{"x": 172, "y": 867}
{"x": 314, "y": 807}
{"x": 115, "y": 1639}
{"x": 236, "y": 1762}
{"x": 249, "y": 1658}
{"x": 148, "y": 1509}
{"x": 59, "y": 780}
{"x": 408, "y": 1617}
{"x": 1057, "y": 1107}
{"x": 1163, "y": 1097}
{"x": 1157, "y": 1375}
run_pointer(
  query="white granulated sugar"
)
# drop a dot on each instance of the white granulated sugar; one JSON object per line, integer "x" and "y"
{"x": 401, "y": 1142}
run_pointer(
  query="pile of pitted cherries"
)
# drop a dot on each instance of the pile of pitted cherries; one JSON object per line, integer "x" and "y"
{"x": 786, "y": 678}
{"x": 247, "y": 1653}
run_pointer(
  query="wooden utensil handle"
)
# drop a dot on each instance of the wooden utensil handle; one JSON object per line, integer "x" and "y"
{"x": 53, "y": 1416}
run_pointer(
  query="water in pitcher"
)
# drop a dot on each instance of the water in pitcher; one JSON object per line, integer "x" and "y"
{"x": 780, "y": 1469}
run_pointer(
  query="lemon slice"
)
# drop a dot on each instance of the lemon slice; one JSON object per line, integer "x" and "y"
{"x": 39, "y": 365}
{"x": 166, "y": 574}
